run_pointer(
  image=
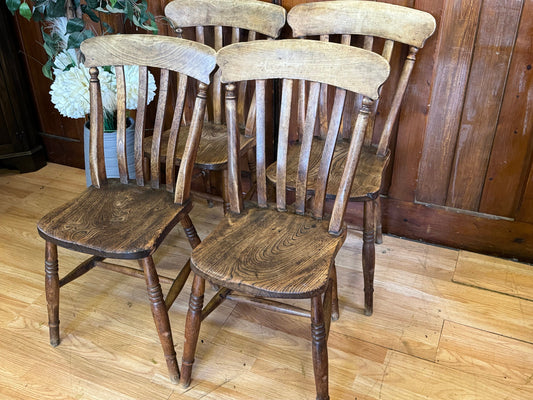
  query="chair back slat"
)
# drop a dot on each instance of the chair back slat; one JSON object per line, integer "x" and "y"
{"x": 323, "y": 102}
{"x": 305, "y": 151}
{"x": 318, "y": 63}
{"x": 283, "y": 138}
{"x": 174, "y": 131}
{"x": 200, "y": 34}
{"x": 327, "y": 153}
{"x": 260, "y": 140}
{"x": 170, "y": 56}
{"x": 241, "y": 98}
{"x": 121, "y": 124}
{"x": 140, "y": 124}
{"x": 158, "y": 129}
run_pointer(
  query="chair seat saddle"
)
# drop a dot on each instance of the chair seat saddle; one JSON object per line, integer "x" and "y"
{"x": 212, "y": 149}
{"x": 264, "y": 252}
{"x": 122, "y": 221}
{"x": 368, "y": 176}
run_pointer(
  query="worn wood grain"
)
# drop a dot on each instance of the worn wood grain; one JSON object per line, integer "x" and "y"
{"x": 458, "y": 29}
{"x": 488, "y": 76}
{"x": 511, "y": 155}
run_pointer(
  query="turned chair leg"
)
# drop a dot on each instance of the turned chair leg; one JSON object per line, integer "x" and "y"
{"x": 319, "y": 348}
{"x": 369, "y": 255}
{"x": 377, "y": 213}
{"x": 334, "y": 295}
{"x": 225, "y": 196}
{"x": 160, "y": 314}
{"x": 190, "y": 231}
{"x": 192, "y": 329}
{"x": 51, "y": 284}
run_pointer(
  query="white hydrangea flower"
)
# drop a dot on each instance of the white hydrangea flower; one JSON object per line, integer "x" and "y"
{"x": 70, "y": 91}
{"x": 131, "y": 74}
{"x": 63, "y": 60}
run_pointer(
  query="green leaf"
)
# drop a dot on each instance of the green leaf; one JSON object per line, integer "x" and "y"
{"x": 76, "y": 38}
{"x": 13, "y": 5}
{"x": 108, "y": 28}
{"x": 47, "y": 69}
{"x": 25, "y": 11}
{"x": 75, "y": 25}
{"x": 92, "y": 15}
{"x": 55, "y": 9}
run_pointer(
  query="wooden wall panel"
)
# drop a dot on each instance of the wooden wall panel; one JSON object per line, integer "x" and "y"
{"x": 512, "y": 151}
{"x": 414, "y": 114}
{"x": 458, "y": 27}
{"x": 488, "y": 75}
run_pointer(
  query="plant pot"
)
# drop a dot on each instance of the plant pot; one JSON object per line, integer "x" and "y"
{"x": 110, "y": 151}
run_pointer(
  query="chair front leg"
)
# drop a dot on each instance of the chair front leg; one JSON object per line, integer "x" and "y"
{"x": 377, "y": 218}
{"x": 51, "y": 284}
{"x": 160, "y": 314}
{"x": 369, "y": 255}
{"x": 192, "y": 329}
{"x": 190, "y": 231}
{"x": 319, "y": 348}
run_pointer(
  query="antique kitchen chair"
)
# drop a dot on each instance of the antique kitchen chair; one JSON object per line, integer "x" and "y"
{"x": 284, "y": 251}
{"x": 122, "y": 218}
{"x": 220, "y": 22}
{"x": 358, "y": 23}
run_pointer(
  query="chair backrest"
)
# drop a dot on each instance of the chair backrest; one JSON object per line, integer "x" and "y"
{"x": 245, "y": 19}
{"x": 353, "y": 19}
{"x": 346, "y": 68}
{"x": 167, "y": 54}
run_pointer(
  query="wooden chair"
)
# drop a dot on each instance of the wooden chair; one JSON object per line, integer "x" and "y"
{"x": 127, "y": 219}
{"x": 212, "y": 20}
{"x": 357, "y": 23}
{"x": 283, "y": 250}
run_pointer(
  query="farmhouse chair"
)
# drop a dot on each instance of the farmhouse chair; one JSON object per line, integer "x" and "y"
{"x": 358, "y": 23}
{"x": 220, "y": 22}
{"x": 284, "y": 250}
{"x": 122, "y": 218}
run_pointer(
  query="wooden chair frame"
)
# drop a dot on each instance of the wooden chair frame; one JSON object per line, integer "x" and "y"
{"x": 352, "y": 19}
{"x": 124, "y": 218}
{"x": 283, "y": 250}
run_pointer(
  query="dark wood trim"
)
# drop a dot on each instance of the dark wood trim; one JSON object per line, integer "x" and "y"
{"x": 455, "y": 228}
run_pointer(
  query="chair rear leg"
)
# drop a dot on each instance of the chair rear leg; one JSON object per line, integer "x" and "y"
{"x": 192, "y": 329}
{"x": 160, "y": 314}
{"x": 319, "y": 348}
{"x": 51, "y": 284}
{"x": 369, "y": 255}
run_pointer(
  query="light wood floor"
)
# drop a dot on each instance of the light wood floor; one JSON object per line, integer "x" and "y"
{"x": 447, "y": 324}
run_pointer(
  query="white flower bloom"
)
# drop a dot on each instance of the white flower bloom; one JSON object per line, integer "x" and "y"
{"x": 63, "y": 60}
{"x": 70, "y": 91}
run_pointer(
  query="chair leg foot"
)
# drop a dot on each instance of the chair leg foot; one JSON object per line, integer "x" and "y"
{"x": 192, "y": 329}
{"x": 160, "y": 314}
{"x": 51, "y": 284}
{"x": 319, "y": 348}
{"x": 369, "y": 256}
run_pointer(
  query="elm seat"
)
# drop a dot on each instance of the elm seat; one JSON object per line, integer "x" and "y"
{"x": 116, "y": 221}
{"x": 123, "y": 218}
{"x": 367, "y": 180}
{"x": 267, "y": 253}
{"x": 213, "y": 148}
